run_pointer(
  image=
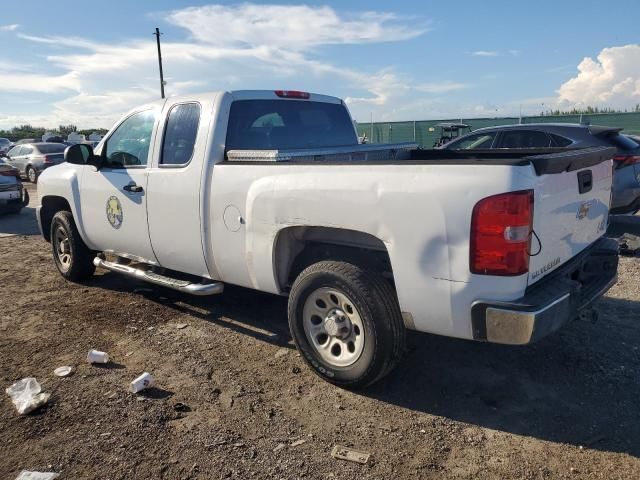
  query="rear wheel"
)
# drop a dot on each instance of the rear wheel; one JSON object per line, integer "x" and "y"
{"x": 346, "y": 322}
{"x": 32, "y": 175}
{"x": 73, "y": 259}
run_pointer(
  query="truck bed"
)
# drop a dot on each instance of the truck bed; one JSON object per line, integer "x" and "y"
{"x": 544, "y": 160}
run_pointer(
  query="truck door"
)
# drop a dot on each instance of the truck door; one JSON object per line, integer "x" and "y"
{"x": 174, "y": 187}
{"x": 114, "y": 198}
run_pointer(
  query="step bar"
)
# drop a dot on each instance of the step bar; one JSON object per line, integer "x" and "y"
{"x": 201, "y": 289}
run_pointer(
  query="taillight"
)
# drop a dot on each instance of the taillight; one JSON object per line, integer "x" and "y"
{"x": 501, "y": 234}
{"x": 293, "y": 94}
{"x": 626, "y": 160}
{"x": 47, "y": 159}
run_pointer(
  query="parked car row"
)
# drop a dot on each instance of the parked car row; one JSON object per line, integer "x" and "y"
{"x": 626, "y": 179}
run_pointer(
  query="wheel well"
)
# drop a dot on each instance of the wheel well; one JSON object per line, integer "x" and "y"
{"x": 50, "y": 206}
{"x": 296, "y": 248}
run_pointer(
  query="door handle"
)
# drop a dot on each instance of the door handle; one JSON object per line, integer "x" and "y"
{"x": 132, "y": 187}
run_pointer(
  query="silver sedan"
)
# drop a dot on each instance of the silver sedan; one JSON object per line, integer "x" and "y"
{"x": 32, "y": 158}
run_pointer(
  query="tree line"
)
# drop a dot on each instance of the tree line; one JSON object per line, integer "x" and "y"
{"x": 589, "y": 110}
{"x": 28, "y": 131}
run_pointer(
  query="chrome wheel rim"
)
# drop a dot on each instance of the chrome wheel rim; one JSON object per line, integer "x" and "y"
{"x": 32, "y": 175}
{"x": 333, "y": 326}
{"x": 63, "y": 250}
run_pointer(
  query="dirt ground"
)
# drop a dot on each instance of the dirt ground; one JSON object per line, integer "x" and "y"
{"x": 233, "y": 397}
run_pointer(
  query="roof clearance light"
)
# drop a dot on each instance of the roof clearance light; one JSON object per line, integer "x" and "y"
{"x": 293, "y": 94}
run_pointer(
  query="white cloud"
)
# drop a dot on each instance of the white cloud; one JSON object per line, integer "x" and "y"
{"x": 486, "y": 53}
{"x": 246, "y": 46}
{"x": 496, "y": 53}
{"x": 294, "y": 27}
{"x": 9, "y": 28}
{"x": 612, "y": 80}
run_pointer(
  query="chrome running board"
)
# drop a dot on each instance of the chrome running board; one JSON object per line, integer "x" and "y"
{"x": 211, "y": 288}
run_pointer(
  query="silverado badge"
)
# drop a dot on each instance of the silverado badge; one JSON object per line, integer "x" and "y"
{"x": 114, "y": 212}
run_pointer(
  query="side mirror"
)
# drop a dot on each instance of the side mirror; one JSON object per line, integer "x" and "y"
{"x": 82, "y": 154}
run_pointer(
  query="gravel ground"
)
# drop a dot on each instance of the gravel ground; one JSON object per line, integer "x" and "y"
{"x": 234, "y": 400}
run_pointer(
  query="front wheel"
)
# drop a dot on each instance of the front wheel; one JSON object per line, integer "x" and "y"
{"x": 346, "y": 322}
{"x": 73, "y": 259}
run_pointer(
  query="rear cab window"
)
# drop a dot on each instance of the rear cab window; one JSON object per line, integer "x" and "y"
{"x": 288, "y": 124}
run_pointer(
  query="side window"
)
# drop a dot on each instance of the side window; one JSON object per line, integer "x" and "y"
{"x": 26, "y": 151}
{"x": 524, "y": 139}
{"x": 129, "y": 144}
{"x": 479, "y": 141}
{"x": 558, "y": 141}
{"x": 14, "y": 152}
{"x": 180, "y": 134}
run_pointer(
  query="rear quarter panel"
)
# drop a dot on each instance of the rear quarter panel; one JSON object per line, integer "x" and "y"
{"x": 422, "y": 213}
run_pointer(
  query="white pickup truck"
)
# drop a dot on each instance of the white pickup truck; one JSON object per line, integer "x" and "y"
{"x": 270, "y": 190}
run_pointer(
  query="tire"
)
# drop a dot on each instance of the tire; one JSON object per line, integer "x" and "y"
{"x": 73, "y": 259}
{"x": 32, "y": 175}
{"x": 365, "y": 310}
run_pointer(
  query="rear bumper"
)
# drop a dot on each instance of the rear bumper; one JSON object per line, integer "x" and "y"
{"x": 551, "y": 302}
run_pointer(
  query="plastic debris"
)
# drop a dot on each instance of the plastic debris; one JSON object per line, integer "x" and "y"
{"x": 279, "y": 447}
{"x": 63, "y": 371}
{"x": 96, "y": 356}
{"x": 297, "y": 443}
{"x": 27, "y": 395}
{"x": 344, "y": 453}
{"x": 143, "y": 381}
{"x": 26, "y": 475}
{"x": 180, "y": 326}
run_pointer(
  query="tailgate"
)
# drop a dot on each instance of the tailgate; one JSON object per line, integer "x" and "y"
{"x": 571, "y": 206}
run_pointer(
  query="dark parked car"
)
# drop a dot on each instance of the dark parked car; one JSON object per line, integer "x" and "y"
{"x": 5, "y": 145}
{"x": 12, "y": 195}
{"x": 626, "y": 178}
{"x": 32, "y": 158}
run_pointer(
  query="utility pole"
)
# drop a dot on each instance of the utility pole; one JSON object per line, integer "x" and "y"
{"x": 157, "y": 34}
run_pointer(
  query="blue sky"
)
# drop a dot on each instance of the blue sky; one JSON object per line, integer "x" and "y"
{"x": 398, "y": 60}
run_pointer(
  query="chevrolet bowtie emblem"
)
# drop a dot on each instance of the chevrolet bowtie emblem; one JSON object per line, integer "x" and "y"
{"x": 583, "y": 210}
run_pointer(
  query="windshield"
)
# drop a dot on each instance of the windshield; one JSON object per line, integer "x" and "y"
{"x": 51, "y": 148}
{"x": 4, "y": 141}
{"x": 288, "y": 124}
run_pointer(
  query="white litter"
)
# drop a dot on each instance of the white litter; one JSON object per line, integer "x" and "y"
{"x": 143, "y": 381}
{"x": 26, "y": 475}
{"x": 96, "y": 356}
{"x": 63, "y": 371}
{"x": 27, "y": 395}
